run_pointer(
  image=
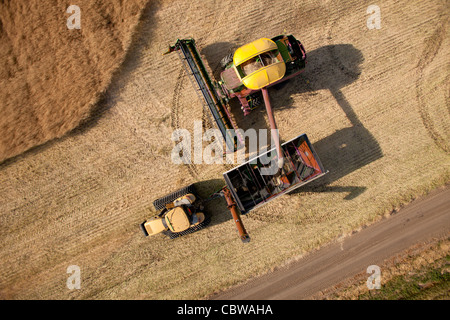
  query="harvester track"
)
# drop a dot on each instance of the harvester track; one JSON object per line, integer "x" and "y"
{"x": 432, "y": 48}
{"x": 175, "y": 119}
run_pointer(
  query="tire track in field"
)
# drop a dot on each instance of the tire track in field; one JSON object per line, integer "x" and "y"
{"x": 433, "y": 45}
{"x": 175, "y": 118}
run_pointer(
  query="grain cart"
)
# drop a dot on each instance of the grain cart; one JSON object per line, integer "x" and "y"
{"x": 247, "y": 187}
{"x": 250, "y": 69}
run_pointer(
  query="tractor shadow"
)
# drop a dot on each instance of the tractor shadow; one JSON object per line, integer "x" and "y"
{"x": 216, "y": 208}
{"x": 330, "y": 67}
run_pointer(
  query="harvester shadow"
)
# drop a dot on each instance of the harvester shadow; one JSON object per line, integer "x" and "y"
{"x": 348, "y": 149}
{"x": 330, "y": 67}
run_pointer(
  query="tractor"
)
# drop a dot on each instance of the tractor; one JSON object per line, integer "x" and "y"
{"x": 180, "y": 213}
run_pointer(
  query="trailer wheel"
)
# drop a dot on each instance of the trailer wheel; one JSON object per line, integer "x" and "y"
{"x": 226, "y": 60}
{"x": 160, "y": 203}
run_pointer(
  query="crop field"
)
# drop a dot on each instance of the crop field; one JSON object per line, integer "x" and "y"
{"x": 374, "y": 103}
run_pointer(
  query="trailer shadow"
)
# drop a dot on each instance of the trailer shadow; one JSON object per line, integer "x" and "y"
{"x": 330, "y": 67}
{"x": 215, "y": 207}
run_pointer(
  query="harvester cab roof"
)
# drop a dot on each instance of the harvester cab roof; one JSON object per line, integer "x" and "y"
{"x": 259, "y": 63}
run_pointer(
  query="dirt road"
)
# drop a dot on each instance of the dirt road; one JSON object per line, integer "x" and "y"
{"x": 420, "y": 221}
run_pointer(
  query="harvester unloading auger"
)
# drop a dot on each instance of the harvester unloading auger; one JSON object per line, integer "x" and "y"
{"x": 251, "y": 69}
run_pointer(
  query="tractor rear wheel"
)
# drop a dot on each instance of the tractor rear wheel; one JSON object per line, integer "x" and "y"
{"x": 174, "y": 235}
{"x": 160, "y": 203}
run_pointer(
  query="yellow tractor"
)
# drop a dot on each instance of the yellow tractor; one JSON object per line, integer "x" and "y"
{"x": 180, "y": 214}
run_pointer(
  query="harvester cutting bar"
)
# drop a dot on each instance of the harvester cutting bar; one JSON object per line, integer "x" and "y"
{"x": 196, "y": 69}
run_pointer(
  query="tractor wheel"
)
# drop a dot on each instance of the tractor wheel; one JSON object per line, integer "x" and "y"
{"x": 174, "y": 235}
{"x": 160, "y": 203}
{"x": 226, "y": 60}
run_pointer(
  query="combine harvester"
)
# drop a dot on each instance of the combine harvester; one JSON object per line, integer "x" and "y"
{"x": 250, "y": 70}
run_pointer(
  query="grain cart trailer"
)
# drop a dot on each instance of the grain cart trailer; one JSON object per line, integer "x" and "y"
{"x": 247, "y": 187}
